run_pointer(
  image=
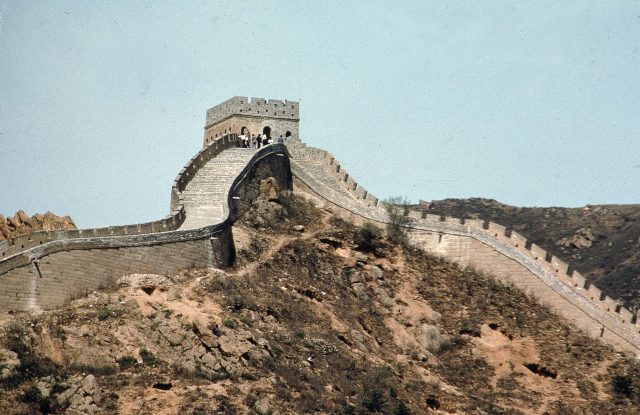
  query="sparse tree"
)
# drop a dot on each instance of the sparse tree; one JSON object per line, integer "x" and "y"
{"x": 397, "y": 208}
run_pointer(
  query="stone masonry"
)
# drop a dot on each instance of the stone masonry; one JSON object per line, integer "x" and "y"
{"x": 44, "y": 269}
{"x": 280, "y": 116}
{"x": 488, "y": 247}
{"x": 57, "y": 266}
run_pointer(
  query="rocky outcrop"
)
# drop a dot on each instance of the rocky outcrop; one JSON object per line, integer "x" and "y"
{"x": 583, "y": 238}
{"x": 21, "y": 224}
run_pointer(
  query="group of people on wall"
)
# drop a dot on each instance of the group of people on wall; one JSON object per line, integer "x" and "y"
{"x": 247, "y": 140}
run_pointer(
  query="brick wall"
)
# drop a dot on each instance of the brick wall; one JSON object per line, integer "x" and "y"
{"x": 48, "y": 274}
{"x": 488, "y": 247}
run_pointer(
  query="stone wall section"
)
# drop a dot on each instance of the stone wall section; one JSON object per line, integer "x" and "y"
{"x": 171, "y": 222}
{"x": 46, "y": 275}
{"x": 256, "y": 113}
{"x": 486, "y": 246}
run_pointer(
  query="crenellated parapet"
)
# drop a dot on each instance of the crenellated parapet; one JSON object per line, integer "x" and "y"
{"x": 488, "y": 246}
{"x": 253, "y": 107}
{"x": 47, "y": 269}
{"x": 274, "y": 117}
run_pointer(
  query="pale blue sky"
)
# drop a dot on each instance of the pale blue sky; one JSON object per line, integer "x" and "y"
{"x": 530, "y": 103}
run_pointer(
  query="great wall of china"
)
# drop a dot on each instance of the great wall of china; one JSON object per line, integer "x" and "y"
{"x": 43, "y": 270}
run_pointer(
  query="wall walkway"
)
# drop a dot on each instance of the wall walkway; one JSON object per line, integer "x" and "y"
{"x": 486, "y": 246}
{"x": 46, "y": 269}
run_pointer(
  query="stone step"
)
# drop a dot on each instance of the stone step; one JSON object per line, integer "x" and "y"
{"x": 205, "y": 195}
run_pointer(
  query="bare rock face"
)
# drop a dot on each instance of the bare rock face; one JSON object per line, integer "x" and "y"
{"x": 269, "y": 189}
{"x": 82, "y": 396}
{"x": 8, "y": 363}
{"x": 430, "y": 338}
{"x": 583, "y": 238}
{"x": 21, "y": 224}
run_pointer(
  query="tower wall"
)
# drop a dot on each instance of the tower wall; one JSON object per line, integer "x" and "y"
{"x": 255, "y": 114}
{"x": 255, "y": 125}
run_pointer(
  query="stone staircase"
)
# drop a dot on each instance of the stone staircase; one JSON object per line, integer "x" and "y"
{"x": 204, "y": 196}
{"x": 318, "y": 169}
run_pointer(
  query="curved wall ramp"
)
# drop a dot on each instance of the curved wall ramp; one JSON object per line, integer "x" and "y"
{"x": 486, "y": 246}
{"x": 46, "y": 269}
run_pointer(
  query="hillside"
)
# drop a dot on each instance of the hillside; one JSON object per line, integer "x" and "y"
{"x": 600, "y": 241}
{"x": 317, "y": 316}
{"x": 21, "y": 224}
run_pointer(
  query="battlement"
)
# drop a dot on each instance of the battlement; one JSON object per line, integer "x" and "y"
{"x": 253, "y": 107}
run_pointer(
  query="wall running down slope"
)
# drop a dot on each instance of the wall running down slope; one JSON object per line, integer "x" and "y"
{"x": 44, "y": 270}
{"x": 487, "y": 246}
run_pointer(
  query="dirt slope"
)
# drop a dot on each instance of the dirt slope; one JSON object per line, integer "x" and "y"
{"x": 317, "y": 317}
{"x": 600, "y": 241}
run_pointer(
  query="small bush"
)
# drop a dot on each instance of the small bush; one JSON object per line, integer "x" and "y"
{"x": 104, "y": 313}
{"x": 97, "y": 370}
{"x": 397, "y": 209}
{"x": 126, "y": 362}
{"x": 33, "y": 396}
{"x": 230, "y": 323}
{"x": 286, "y": 200}
{"x": 147, "y": 357}
{"x": 299, "y": 333}
{"x": 373, "y": 399}
{"x": 349, "y": 410}
{"x": 367, "y": 236}
{"x": 400, "y": 409}
{"x": 622, "y": 386}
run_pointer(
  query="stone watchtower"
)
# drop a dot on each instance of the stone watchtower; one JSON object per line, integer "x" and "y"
{"x": 258, "y": 115}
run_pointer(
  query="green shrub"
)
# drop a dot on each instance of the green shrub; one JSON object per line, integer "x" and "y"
{"x": 622, "y": 386}
{"x": 397, "y": 208}
{"x": 230, "y": 323}
{"x": 299, "y": 333}
{"x": 104, "y": 313}
{"x": 126, "y": 362}
{"x": 147, "y": 357}
{"x": 349, "y": 410}
{"x": 33, "y": 397}
{"x": 400, "y": 409}
{"x": 367, "y": 236}
{"x": 97, "y": 370}
{"x": 373, "y": 399}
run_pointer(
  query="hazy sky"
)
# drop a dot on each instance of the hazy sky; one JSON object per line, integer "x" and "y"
{"x": 530, "y": 103}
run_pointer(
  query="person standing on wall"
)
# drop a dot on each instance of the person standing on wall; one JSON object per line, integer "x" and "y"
{"x": 244, "y": 137}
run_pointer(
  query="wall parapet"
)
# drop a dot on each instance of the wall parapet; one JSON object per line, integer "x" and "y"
{"x": 554, "y": 272}
{"x": 171, "y": 222}
{"x": 303, "y": 152}
{"x": 216, "y": 245}
{"x": 258, "y": 107}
